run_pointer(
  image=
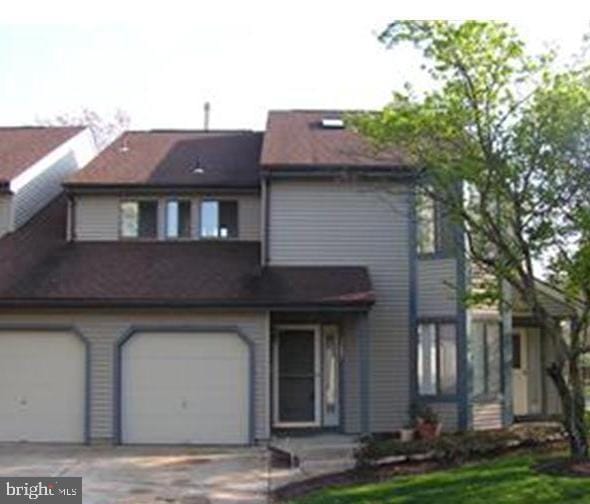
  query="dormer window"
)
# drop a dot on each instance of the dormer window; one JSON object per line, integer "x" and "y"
{"x": 178, "y": 219}
{"x": 219, "y": 219}
{"x": 139, "y": 219}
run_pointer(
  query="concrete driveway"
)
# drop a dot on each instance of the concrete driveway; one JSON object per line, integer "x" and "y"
{"x": 141, "y": 475}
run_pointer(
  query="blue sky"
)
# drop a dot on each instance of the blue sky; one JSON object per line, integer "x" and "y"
{"x": 246, "y": 59}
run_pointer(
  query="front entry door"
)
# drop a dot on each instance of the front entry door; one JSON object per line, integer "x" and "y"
{"x": 297, "y": 377}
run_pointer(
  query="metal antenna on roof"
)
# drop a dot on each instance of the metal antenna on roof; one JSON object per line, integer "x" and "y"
{"x": 207, "y": 111}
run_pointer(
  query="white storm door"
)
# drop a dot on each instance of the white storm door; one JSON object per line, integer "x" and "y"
{"x": 297, "y": 384}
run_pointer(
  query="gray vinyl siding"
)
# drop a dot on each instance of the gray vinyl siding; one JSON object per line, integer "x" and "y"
{"x": 338, "y": 223}
{"x": 5, "y": 218}
{"x": 97, "y": 217}
{"x": 104, "y": 328}
{"x": 350, "y": 392}
{"x": 37, "y": 193}
{"x": 487, "y": 416}
{"x": 437, "y": 293}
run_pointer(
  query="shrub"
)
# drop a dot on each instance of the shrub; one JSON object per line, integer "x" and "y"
{"x": 459, "y": 447}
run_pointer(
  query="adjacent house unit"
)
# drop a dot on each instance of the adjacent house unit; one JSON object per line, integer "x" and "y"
{"x": 33, "y": 163}
{"x": 219, "y": 287}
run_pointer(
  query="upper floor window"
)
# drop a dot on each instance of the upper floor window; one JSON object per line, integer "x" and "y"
{"x": 219, "y": 219}
{"x": 139, "y": 219}
{"x": 435, "y": 231}
{"x": 486, "y": 358}
{"x": 437, "y": 358}
{"x": 178, "y": 219}
{"x": 426, "y": 223}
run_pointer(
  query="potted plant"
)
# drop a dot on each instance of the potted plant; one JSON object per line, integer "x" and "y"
{"x": 406, "y": 433}
{"x": 426, "y": 420}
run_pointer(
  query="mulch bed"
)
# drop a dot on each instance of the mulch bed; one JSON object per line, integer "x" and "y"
{"x": 385, "y": 472}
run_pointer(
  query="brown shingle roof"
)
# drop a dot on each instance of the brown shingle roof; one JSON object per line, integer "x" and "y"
{"x": 39, "y": 268}
{"x": 20, "y": 147}
{"x": 298, "y": 139}
{"x": 172, "y": 158}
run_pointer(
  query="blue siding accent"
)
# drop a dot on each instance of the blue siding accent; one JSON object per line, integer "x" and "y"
{"x": 413, "y": 304}
{"x": 463, "y": 389}
{"x": 507, "y": 404}
{"x": 129, "y": 333}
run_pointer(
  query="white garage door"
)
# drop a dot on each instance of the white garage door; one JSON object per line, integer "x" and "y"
{"x": 184, "y": 388}
{"x": 42, "y": 386}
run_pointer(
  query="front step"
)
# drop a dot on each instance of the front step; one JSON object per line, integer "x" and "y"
{"x": 316, "y": 454}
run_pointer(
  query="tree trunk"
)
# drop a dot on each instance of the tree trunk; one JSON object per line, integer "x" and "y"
{"x": 573, "y": 406}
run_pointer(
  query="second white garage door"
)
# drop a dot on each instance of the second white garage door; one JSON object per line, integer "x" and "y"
{"x": 185, "y": 388}
{"x": 42, "y": 386}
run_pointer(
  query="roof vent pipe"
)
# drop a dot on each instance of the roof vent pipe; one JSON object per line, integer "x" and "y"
{"x": 207, "y": 110}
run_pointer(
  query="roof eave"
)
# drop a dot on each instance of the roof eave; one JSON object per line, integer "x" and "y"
{"x": 87, "y": 188}
{"x": 356, "y": 305}
{"x": 324, "y": 170}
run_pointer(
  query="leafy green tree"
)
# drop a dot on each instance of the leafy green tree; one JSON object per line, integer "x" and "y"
{"x": 502, "y": 141}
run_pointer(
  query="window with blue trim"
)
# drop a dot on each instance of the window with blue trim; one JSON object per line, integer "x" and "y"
{"x": 437, "y": 358}
{"x": 486, "y": 358}
{"x": 434, "y": 231}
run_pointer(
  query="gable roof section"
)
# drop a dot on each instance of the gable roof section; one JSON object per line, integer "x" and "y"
{"x": 206, "y": 159}
{"x": 21, "y": 147}
{"x": 297, "y": 139}
{"x": 39, "y": 268}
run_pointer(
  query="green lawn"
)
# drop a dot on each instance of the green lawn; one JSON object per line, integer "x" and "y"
{"x": 506, "y": 480}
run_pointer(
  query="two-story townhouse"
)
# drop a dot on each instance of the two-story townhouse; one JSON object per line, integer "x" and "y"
{"x": 218, "y": 287}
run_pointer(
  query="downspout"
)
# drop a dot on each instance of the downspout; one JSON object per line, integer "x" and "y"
{"x": 265, "y": 220}
{"x": 71, "y": 220}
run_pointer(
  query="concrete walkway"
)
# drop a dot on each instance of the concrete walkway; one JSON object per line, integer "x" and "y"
{"x": 139, "y": 475}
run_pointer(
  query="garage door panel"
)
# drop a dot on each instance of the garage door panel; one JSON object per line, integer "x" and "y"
{"x": 42, "y": 386}
{"x": 211, "y": 345}
{"x": 185, "y": 388}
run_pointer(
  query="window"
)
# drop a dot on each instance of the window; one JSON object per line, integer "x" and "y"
{"x": 437, "y": 359}
{"x": 516, "y": 351}
{"x": 139, "y": 219}
{"x": 178, "y": 219}
{"x": 219, "y": 219}
{"x": 435, "y": 231}
{"x": 426, "y": 220}
{"x": 486, "y": 358}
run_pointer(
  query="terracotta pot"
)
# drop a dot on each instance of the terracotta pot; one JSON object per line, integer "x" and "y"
{"x": 428, "y": 431}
